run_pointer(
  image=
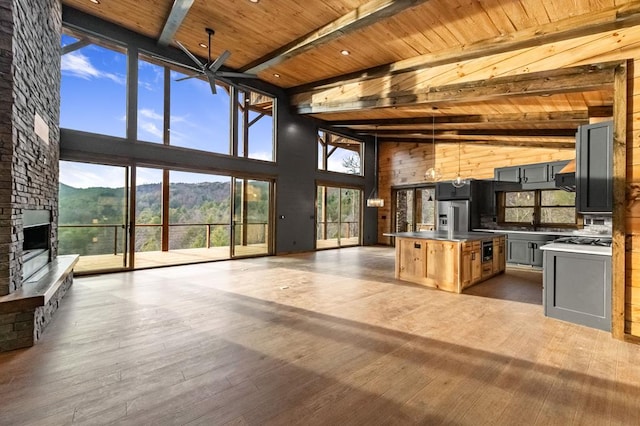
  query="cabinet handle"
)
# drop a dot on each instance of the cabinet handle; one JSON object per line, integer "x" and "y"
{"x": 473, "y": 256}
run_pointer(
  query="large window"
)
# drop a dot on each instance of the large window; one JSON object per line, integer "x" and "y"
{"x": 340, "y": 154}
{"x": 150, "y": 102}
{"x": 255, "y": 126}
{"x": 199, "y": 119}
{"x": 538, "y": 207}
{"x": 93, "y": 93}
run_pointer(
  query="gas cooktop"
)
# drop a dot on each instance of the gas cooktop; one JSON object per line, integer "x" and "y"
{"x": 585, "y": 241}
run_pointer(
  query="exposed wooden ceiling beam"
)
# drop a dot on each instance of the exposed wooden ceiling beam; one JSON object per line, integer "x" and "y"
{"x": 537, "y": 142}
{"x": 178, "y": 12}
{"x": 579, "y": 117}
{"x": 365, "y": 15}
{"x": 563, "y": 80}
{"x": 475, "y": 132}
{"x": 624, "y": 16}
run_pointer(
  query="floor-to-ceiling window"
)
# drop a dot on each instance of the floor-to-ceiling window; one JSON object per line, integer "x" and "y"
{"x": 338, "y": 216}
{"x": 93, "y": 212}
{"x": 202, "y": 212}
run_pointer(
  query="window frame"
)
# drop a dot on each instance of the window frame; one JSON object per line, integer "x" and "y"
{"x": 322, "y": 136}
{"x": 537, "y": 210}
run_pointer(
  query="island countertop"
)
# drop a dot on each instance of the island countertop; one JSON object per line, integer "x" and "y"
{"x": 444, "y": 235}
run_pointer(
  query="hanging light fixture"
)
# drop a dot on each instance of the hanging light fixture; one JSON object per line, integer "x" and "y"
{"x": 374, "y": 200}
{"x": 433, "y": 174}
{"x": 458, "y": 182}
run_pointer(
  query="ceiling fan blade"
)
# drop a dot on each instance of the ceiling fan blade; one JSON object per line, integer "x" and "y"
{"x": 235, "y": 74}
{"x": 176, "y": 63}
{"x": 189, "y": 54}
{"x": 188, "y": 77}
{"x": 212, "y": 83}
{"x": 215, "y": 65}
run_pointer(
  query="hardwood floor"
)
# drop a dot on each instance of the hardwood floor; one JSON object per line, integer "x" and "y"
{"x": 321, "y": 338}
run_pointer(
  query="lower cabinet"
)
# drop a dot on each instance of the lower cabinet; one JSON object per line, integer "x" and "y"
{"x": 470, "y": 263}
{"x": 524, "y": 249}
{"x": 411, "y": 262}
{"x": 577, "y": 288}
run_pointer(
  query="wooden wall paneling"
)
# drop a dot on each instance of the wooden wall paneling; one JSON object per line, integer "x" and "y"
{"x": 619, "y": 204}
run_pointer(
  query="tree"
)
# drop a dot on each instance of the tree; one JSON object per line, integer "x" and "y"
{"x": 352, "y": 164}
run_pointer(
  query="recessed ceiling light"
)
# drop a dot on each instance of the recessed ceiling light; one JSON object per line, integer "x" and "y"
{"x": 254, "y": 1}
{"x": 276, "y": 75}
{"x": 345, "y": 52}
{"x": 95, "y": 1}
{"x": 204, "y": 46}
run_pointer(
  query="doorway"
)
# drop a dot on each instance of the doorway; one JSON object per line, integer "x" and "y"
{"x": 414, "y": 209}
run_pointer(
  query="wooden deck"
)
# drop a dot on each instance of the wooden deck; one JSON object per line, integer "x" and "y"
{"x": 151, "y": 259}
{"x": 326, "y": 338}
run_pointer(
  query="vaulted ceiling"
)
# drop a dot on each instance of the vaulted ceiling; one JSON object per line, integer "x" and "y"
{"x": 393, "y": 47}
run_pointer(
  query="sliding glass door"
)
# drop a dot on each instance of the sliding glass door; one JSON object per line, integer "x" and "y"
{"x": 93, "y": 215}
{"x": 338, "y": 212}
{"x": 251, "y": 217}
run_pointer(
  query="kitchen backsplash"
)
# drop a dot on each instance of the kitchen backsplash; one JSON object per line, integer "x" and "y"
{"x": 598, "y": 224}
{"x": 593, "y": 224}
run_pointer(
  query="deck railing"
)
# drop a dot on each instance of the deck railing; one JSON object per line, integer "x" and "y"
{"x": 104, "y": 238}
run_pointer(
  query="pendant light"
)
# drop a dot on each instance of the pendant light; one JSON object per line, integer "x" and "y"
{"x": 433, "y": 174}
{"x": 374, "y": 200}
{"x": 458, "y": 182}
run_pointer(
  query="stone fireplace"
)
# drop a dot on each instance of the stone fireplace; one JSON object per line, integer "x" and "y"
{"x": 30, "y": 33}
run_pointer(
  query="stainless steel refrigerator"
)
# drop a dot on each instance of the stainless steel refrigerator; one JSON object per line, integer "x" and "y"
{"x": 453, "y": 213}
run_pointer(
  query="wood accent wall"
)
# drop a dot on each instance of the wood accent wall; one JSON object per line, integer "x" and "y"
{"x": 623, "y": 44}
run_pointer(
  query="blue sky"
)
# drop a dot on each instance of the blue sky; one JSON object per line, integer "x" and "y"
{"x": 93, "y": 99}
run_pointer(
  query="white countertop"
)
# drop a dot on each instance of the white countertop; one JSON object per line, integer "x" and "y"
{"x": 578, "y": 248}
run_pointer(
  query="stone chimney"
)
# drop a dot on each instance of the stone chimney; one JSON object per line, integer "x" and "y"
{"x": 29, "y": 125}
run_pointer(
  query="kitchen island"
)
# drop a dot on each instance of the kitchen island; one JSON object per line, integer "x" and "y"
{"x": 450, "y": 262}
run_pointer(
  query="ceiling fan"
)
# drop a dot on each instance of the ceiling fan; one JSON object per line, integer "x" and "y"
{"x": 212, "y": 68}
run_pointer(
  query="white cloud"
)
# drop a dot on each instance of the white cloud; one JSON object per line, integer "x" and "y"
{"x": 266, "y": 156}
{"x": 78, "y": 65}
{"x": 151, "y": 128}
{"x": 150, "y": 114}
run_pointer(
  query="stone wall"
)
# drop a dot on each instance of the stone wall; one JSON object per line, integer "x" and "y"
{"x": 30, "y": 92}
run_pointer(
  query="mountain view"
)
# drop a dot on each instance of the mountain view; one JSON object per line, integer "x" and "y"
{"x": 92, "y": 219}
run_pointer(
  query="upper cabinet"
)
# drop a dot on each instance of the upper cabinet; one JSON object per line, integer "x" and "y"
{"x": 445, "y": 191}
{"x": 531, "y": 176}
{"x": 507, "y": 174}
{"x": 594, "y": 168}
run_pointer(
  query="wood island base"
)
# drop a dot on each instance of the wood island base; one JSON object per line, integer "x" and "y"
{"x": 450, "y": 265}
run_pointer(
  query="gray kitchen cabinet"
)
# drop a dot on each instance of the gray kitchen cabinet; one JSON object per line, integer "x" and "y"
{"x": 507, "y": 174}
{"x": 555, "y": 167}
{"x": 577, "y": 288}
{"x": 524, "y": 249}
{"x": 533, "y": 173}
{"x": 531, "y": 176}
{"x": 445, "y": 191}
{"x": 594, "y": 168}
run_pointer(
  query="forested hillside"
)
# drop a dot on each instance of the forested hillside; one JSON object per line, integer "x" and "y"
{"x": 102, "y": 212}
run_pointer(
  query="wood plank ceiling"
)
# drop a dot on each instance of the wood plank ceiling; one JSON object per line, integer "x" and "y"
{"x": 297, "y": 46}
